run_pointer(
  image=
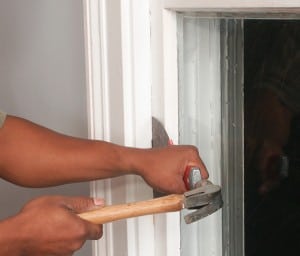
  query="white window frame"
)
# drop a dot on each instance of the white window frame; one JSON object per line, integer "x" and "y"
{"x": 127, "y": 67}
{"x": 118, "y": 79}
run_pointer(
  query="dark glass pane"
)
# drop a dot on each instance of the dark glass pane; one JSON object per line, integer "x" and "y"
{"x": 272, "y": 137}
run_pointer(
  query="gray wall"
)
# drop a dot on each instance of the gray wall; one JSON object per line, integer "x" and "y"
{"x": 42, "y": 79}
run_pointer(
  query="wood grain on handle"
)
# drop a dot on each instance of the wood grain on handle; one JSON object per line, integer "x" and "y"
{"x": 111, "y": 213}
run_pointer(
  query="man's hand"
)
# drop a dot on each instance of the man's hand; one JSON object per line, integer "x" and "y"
{"x": 163, "y": 168}
{"x": 49, "y": 226}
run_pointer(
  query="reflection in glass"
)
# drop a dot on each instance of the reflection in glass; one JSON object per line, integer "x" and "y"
{"x": 272, "y": 137}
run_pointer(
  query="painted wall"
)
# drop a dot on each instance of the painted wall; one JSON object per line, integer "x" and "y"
{"x": 42, "y": 78}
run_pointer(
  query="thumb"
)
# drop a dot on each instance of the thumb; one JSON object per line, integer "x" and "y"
{"x": 84, "y": 204}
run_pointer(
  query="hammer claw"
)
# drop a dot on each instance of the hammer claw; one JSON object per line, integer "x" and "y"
{"x": 215, "y": 204}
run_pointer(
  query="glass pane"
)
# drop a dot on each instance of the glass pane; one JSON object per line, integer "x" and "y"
{"x": 199, "y": 118}
{"x": 272, "y": 137}
{"x": 210, "y": 117}
{"x": 225, "y": 64}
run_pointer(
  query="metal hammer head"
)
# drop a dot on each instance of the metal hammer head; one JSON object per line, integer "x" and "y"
{"x": 204, "y": 200}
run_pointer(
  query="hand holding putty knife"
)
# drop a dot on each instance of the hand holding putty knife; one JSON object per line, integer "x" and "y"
{"x": 202, "y": 198}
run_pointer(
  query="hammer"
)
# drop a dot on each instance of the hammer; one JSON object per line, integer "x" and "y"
{"x": 204, "y": 200}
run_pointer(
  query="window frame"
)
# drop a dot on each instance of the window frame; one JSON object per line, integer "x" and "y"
{"x": 116, "y": 39}
{"x": 232, "y": 127}
{"x": 143, "y": 64}
{"x": 234, "y": 6}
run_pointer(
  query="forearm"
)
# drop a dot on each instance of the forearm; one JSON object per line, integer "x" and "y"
{"x": 34, "y": 156}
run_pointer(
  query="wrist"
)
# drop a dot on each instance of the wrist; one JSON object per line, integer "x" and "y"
{"x": 126, "y": 160}
{"x": 138, "y": 160}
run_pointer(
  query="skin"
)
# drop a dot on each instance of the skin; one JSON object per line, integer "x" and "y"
{"x": 34, "y": 156}
{"x": 49, "y": 226}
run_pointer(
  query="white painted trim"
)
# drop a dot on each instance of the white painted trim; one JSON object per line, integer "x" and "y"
{"x": 170, "y": 95}
{"x": 95, "y": 50}
{"x": 97, "y": 96}
{"x": 119, "y": 109}
{"x": 233, "y": 5}
{"x": 165, "y": 108}
{"x": 170, "y": 68}
{"x": 164, "y": 67}
{"x": 135, "y": 29}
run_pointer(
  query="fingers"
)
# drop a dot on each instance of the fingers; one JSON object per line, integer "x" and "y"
{"x": 170, "y": 164}
{"x": 93, "y": 231}
{"x": 58, "y": 230}
{"x": 202, "y": 167}
{"x": 203, "y": 170}
{"x": 181, "y": 187}
{"x": 195, "y": 160}
{"x": 84, "y": 204}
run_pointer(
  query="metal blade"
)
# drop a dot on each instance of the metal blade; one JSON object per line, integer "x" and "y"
{"x": 160, "y": 137}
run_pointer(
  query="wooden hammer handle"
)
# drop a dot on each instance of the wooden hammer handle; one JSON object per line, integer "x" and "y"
{"x": 111, "y": 213}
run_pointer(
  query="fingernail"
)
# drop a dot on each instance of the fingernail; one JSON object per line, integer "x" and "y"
{"x": 170, "y": 142}
{"x": 99, "y": 201}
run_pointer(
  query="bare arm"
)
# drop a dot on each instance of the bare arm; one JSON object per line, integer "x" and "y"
{"x": 34, "y": 156}
{"x": 31, "y": 155}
